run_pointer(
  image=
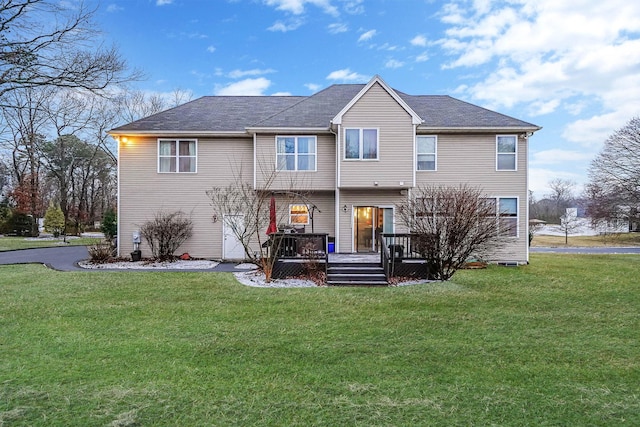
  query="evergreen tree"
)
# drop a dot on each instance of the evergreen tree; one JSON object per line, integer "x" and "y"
{"x": 54, "y": 220}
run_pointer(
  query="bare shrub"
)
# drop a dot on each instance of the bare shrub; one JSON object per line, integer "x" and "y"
{"x": 451, "y": 225}
{"x": 101, "y": 252}
{"x": 166, "y": 232}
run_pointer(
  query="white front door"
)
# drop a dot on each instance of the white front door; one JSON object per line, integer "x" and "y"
{"x": 232, "y": 248}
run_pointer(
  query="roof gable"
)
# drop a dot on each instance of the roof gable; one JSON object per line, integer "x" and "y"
{"x": 415, "y": 118}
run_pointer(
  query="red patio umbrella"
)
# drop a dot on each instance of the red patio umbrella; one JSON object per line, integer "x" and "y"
{"x": 272, "y": 217}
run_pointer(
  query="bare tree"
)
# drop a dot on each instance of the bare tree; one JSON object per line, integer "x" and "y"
{"x": 561, "y": 196}
{"x": 569, "y": 223}
{"x": 136, "y": 104}
{"x": 241, "y": 198}
{"x": 452, "y": 224}
{"x": 45, "y": 44}
{"x": 613, "y": 190}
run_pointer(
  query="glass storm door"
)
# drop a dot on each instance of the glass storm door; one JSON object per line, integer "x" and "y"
{"x": 368, "y": 222}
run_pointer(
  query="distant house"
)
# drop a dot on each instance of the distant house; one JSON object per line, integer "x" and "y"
{"x": 357, "y": 150}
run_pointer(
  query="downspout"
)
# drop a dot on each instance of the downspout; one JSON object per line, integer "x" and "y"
{"x": 336, "y": 191}
{"x": 255, "y": 166}
{"x": 118, "y": 237}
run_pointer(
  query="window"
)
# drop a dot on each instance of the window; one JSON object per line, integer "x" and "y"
{"x": 298, "y": 214}
{"x": 508, "y": 216}
{"x": 177, "y": 155}
{"x": 506, "y": 150}
{"x": 296, "y": 153}
{"x": 361, "y": 144}
{"x": 426, "y": 153}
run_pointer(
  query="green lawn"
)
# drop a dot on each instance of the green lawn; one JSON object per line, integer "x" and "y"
{"x": 552, "y": 343}
{"x": 613, "y": 239}
{"x": 14, "y": 243}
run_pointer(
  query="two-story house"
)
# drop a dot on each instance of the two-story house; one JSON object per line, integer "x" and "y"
{"x": 356, "y": 150}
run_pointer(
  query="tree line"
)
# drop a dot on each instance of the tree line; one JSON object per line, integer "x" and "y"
{"x": 60, "y": 91}
{"x": 612, "y": 192}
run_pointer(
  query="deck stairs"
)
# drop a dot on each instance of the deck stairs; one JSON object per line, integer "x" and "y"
{"x": 355, "y": 271}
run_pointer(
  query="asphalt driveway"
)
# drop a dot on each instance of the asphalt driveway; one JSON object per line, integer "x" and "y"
{"x": 66, "y": 258}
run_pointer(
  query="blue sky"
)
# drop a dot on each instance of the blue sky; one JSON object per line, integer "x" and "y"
{"x": 572, "y": 67}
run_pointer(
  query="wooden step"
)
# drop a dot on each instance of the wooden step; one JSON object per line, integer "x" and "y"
{"x": 355, "y": 274}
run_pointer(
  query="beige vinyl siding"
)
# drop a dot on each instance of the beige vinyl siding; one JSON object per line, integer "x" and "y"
{"x": 144, "y": 191}
{"x": 323, "y": 178}
{"x": 323, "y": 217}
{"x": 471, "y": 159}
{"x": 352, "y": 198}
{"x": 376, "y": 109}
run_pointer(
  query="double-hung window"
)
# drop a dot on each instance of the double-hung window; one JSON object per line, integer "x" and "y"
{"x": 298, "y": 214}
{"x": 426, "y": 153}
{"x": 508, "y": 216}
{"x": 360, "y": 144}
{"x": 296, "y": 153}
{"x": 177, "y": 155}
{"x": 506, "y": 152}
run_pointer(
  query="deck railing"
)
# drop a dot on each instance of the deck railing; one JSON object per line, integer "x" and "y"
{"x": 402, "y": 246}
{"x": 300, "y": 246}
{"x": 384, "y": 257}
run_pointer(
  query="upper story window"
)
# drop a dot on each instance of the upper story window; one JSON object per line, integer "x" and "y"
{"x": 506, "y": 152}
{"x": 360, "y": 144}
{"x": 426, "y": 153}
{"x": 296, "y": 153}
{"x": 177, "y": 155}
{"x": 298, "y": 214}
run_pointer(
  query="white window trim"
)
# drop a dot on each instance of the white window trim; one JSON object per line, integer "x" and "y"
{"x": 517, "y": 217}
{"x": 515, "y": 154}
{"x": 291, "y": 214}
{"x": 177, "y": 156}
{"x": 315, "y": 157}
{"x": 435, "y": 153}
{"x": 361, "y": 141}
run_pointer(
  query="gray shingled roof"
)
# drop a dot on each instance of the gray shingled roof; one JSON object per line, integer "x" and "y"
{"x": 236, "y": 113}
{"x": 213, "y": 114}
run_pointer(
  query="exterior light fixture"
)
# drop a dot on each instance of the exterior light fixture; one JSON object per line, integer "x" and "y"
{"x": 344, "y": 209}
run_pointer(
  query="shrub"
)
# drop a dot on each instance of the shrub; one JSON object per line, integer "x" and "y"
{"x": 166, "y": 232}
{"x": 100, "y": 252}
{"x": 21, "y": 224}
{"x": 109, "y": 224}
{"x": 54, "y": 220}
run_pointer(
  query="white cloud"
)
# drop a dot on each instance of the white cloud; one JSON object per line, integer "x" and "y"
{"x": 297, "y": 7}
{"x": 163, "y": 2}
{"x": 419, "y": 40}
{"x": 281, "y": 94}
{"x": 337, "y": 28}
{"x": 539, "y": 179}
{"x": 211, "y": 49}
{"x": 247, "y": 87}
{"x": 114, "y": 8}
{"x": 558, "y": 156}
{"x": 393, "y": 63}
{"x": 354, "y": 7}
{"x": 423, "y": 57}
{"x": 313, "y": 87}
{"x": 579, "y": 57}
{"x": 346, "y": 75}
{"x": 292, "y": 25}
{"x": 367, "y": 36}
{"x": 238, "y": 74}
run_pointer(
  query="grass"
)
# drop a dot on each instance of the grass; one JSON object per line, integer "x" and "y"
{"x": 15, "y": 243}
{"x": 552, "y": 343}
{"x": 613, "y": 239}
